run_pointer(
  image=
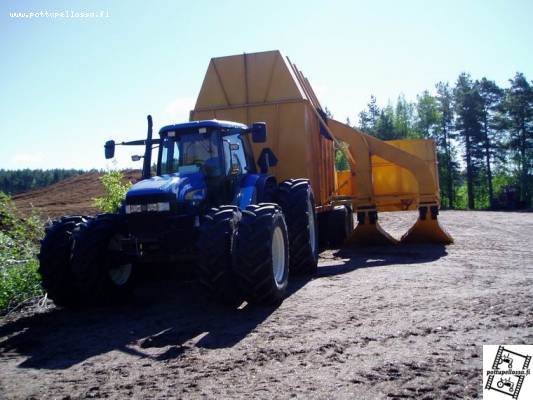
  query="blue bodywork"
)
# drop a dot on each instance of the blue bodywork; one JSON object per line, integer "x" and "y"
{"x": 210, "y": 123}
{"x": 187, "y": 195}
{"x": 178, "y": 184}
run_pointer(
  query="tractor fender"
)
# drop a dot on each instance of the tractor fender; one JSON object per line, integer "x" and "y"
{"x": 252, "y": 189}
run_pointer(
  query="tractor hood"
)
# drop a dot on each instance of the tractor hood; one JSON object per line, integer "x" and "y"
{"x": 178, "y": 185}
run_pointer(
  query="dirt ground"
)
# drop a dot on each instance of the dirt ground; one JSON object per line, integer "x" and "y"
{"x": 376, "y": 323}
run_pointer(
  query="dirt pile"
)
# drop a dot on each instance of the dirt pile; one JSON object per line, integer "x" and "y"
{"x": 69, "y": 197}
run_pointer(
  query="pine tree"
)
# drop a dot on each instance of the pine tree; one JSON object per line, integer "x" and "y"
{"x": 427, "y": 114}
{"x": 468, "y": 108}
{"x": 491, "y": 96}
{"x": 403, "y": 119}
{"x": 368, "y": 118}
{"x": 384, "y": 128}
{"x": 447, "y": 165}
{"x": 518, "y": 106}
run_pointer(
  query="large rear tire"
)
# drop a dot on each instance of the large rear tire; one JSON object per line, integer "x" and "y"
{"x": 102, "y": 275}
{"x": 215, "y": 247}
{"x": 54, "y": 261}
{"x": 295, "y": 196}
{"x": 261, "y": 254}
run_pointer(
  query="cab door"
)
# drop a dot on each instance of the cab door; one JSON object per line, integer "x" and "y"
{"x": 235, "y": 164}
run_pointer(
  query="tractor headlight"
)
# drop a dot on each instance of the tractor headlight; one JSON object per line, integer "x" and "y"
{"x": 133, "y": 208}
{"x": 164, "y": 206}
{"x": 194, "y": 195}
{"x": 150, "y": 207}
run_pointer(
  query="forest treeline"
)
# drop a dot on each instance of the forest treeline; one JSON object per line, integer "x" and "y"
{"x": 484, "y": 137}
{"x": 483, "y": 132}
{"x": 21, "y": 180}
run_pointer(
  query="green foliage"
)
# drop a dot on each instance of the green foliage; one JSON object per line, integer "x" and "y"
{"x": 114, "y": 192}
{"x": 19, "y": 241}
{"x": 478, "y": 127}
{"x": 341, "y": 160}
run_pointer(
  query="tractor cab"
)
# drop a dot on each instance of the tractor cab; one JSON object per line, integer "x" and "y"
{"x": 200, "y": 164}
{"x": 217, "y": 152}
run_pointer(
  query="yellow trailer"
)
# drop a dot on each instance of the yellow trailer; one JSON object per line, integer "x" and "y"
{"x": 394, "y": 175}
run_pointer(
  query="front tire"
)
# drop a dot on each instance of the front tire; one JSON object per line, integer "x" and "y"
{"x": 215, "y": 247}
{"x": 102, "y": 275}
{"x": 57, "y": 279}
{"x": 295, "y": 196}
{"x": 261, "y": 257}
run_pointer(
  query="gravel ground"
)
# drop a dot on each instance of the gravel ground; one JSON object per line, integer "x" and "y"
{"x": 377, "y": 322}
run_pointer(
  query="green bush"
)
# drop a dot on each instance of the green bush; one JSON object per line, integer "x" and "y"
{"x": 341, "y": 159}
{"x": 114, "y": 192}
{"x": 19, "y": 244}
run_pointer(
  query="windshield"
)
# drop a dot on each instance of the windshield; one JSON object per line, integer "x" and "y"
{"x": 191, "y": 152}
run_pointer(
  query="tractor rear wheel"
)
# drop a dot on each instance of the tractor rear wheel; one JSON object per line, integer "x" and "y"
{"x": 54, "y": 261}
{"x": 215, "y": 247}
{"x": 295, "y": 196}
{"x": 261, "y": 256}
{"x": 102, "y": 274}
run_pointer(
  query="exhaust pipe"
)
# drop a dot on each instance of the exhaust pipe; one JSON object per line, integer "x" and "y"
{"x": 147, "y": 165}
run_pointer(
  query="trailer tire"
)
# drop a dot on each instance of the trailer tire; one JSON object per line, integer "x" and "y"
{"x": 94, "y": 261}
{"x": 215, "y": 248}
{"x": 55, "y": 261}
{"x": 339, "y": 226}
{"x": 295, "y": 196}
{"x": 261, "y": 256}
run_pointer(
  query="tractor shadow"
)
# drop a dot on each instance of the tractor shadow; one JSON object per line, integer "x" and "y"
{"x": 166, "y": 317}
{"x": 349, "y": 259}
{"x": 161, "y": 321}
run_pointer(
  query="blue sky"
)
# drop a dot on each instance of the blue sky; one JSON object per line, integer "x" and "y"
{"x": 70, "y": 84}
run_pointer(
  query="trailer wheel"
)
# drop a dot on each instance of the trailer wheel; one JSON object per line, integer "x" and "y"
{"x": 261, "y": 257}
{"x": 339, "y": 226}
{"x": 295, "y": 196}
{"x": 215, "y": 247}
{"x": 102, "y": 275}
{"x": 54, "y": 261}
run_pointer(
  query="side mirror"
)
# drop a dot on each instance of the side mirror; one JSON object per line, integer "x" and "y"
{"x": 136, "y": 158}
{"x": 109, "y": 149}
{"x": 259, "y": 132}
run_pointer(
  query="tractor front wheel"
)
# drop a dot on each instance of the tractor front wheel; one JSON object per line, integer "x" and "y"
{"x": 215, "y": 247}
{"x": 102, "y": 274}
{"x": 261, "y": 256}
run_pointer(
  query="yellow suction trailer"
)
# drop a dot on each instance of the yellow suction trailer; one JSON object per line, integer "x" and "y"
{"x": 396, "y": 175}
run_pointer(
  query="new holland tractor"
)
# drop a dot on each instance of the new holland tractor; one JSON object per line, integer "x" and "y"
{"x": 248, "y": 222}
{"x": 207, "y": 200}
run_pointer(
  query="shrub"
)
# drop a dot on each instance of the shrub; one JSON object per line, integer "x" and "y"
{"x": 114, "y": 192}
{"x": 19, "y": 242}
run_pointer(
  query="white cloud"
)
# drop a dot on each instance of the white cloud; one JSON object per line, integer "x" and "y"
{"x": 23, "y": 160}
{"x": 178, "y": 109}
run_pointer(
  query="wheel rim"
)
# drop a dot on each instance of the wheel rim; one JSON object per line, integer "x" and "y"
{"x": 311, "y": 222}
{"x": 278, "y": 255}
{"x": 119, "y": 275}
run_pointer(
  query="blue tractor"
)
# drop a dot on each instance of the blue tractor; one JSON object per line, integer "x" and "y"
{"x": 207, "y": 201}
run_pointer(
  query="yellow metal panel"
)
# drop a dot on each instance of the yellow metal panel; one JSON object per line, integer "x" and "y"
{"x": 384, "y": 176}
{"x": 248, "y": 79}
